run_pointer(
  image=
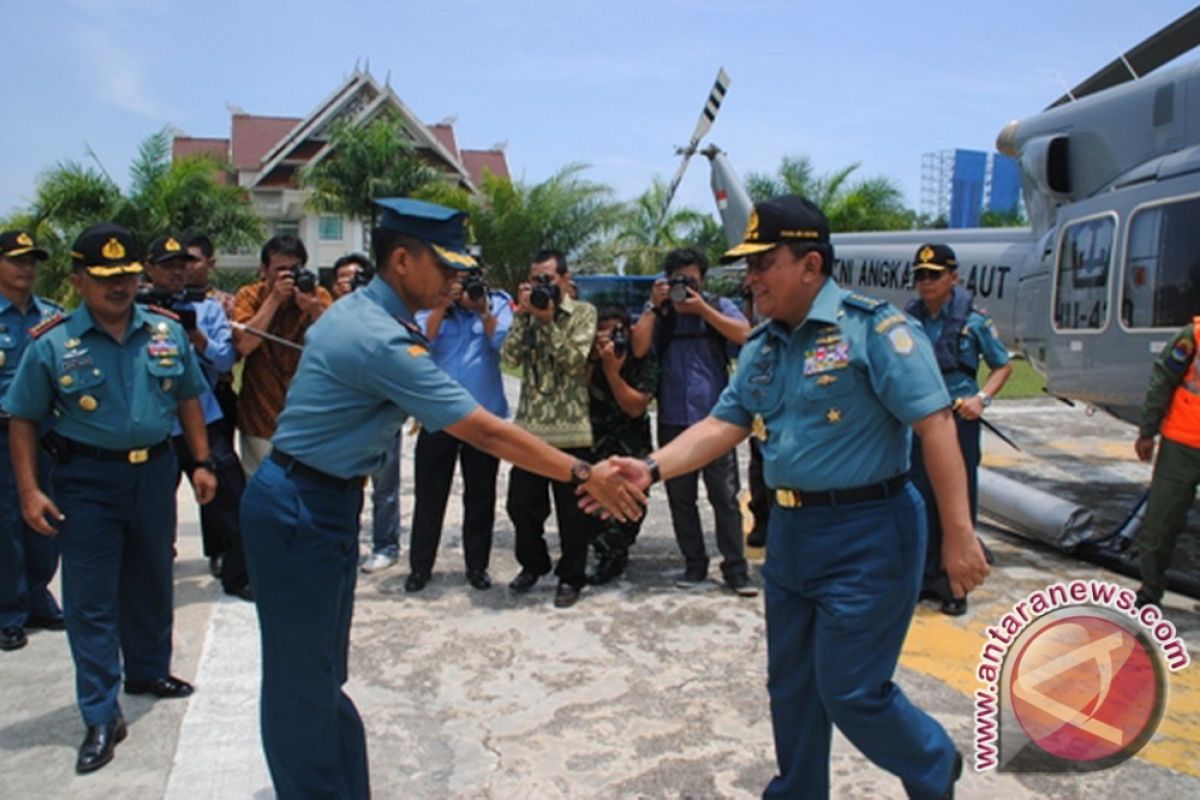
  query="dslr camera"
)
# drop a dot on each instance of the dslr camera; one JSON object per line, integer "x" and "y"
{"x": 147, "y": 295}
{"x": 475, "y": 287}
{"x": 362, "y": 276}
{"x": 305, "y": 279}
{"x": 679, "y": 285}
{"x": 544, "y": 292}
{"x": 619, "y": 337}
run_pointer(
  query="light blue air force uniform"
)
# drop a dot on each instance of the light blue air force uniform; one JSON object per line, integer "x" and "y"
{"x": 835, "y": 399}
{"x": 28, "y": 560}
{"x": 117, "y": 537}
{"x": 366, "y": 367}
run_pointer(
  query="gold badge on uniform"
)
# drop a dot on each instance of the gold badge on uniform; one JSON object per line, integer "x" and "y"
{"x": 926, "y": 254}
{"x": 826, "y": 379}
{"x": 833, "y": 415}
{"x": 88, "y": 403}
{"x": 162, "y": 328}
{"x": 65, "y": 381}
{"x": 113, "y": 249}
{"x": 71, "y": 343}
{"x": 172, "y": 246}
{"x": 902, "y": 343}
{"x": 758, "y": 429}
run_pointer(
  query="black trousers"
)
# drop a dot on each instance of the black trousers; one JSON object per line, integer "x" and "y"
{"x": 220, "y": 524}
{"x": 433, "y": 475}
{"x": 529, "y": 508}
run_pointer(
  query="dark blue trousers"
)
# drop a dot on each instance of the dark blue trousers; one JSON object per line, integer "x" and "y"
{"x": 934, "y": 577}
{"x": 301, "y": 540}
{"x": 118, "y": 594}
{"x": 28, "y": 560}
{"x": 841, "y": 584}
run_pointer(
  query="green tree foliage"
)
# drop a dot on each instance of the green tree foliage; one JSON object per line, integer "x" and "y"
{"x": 861, "y": 205}
{"x": 366, "y": 162}
{"x": 641, "y": 240}
{"x": 164, "y": 196}
{"x": 1013, "y": 218}
{"x": 513, "y": 220}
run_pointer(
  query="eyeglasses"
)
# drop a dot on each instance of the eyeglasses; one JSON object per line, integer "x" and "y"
{"x": 923, "y": 275}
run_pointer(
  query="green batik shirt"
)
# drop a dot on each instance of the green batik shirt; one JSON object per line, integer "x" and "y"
{"x": 615, "y": 432}
{"x": 553, "y": 359}
{"x": 1165, "y": 376}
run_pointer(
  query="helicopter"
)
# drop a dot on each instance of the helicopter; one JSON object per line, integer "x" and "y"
{"x": 1109, "y": 267}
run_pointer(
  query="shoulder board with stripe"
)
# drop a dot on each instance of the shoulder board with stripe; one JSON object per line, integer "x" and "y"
{"x": 759, "y": 329}
{"x": 45, "y": 325}
{"x": 166, "y": 312}
{"x": 862, "y": 302}
{"x": 414, "y": 329}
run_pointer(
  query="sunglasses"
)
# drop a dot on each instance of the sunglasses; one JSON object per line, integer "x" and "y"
{"x": 922, "y": 275}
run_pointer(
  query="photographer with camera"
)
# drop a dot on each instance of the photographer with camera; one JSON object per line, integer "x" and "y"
{"x": 167, "y": 265}
{"x": 350, "y": 272}
{"x": 466, "y": 334}
{"x": 620, "y": 388}
{"x": 693, "y": 336}
{"x": 550, "y": 341}
{"x": 285, "y": 303}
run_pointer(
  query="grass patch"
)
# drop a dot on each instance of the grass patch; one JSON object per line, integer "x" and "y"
{"x": 1024, "y": 383}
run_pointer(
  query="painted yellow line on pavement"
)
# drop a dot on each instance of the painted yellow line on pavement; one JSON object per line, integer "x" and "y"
{"x": 948, "y": 649}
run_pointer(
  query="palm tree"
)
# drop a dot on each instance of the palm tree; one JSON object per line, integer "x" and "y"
{"x": 642, "y": 239}
{"x": 867, "y": 204}
{"x": 513, "y": 220}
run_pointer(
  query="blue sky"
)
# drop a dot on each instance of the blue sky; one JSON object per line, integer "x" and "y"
{"x": 612, "y": 84}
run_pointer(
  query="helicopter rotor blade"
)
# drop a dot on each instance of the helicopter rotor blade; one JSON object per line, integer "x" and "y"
{"x": 707, "y": 115}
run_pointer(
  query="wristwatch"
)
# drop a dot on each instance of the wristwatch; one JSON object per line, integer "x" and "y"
{"x": 655, "y": 472}
{"x": 208, "y": 464}
{"x": 985, "y": 398}
{"x": 581, "y": 472}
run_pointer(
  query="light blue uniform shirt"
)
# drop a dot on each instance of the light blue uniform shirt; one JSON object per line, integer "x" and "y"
{"x": 109, "y": 394}
{"x": 14, "y": 333}
{"x": 978, "y": 338}
{"x": 837, "y": 395}
{"x": 470, "y": 357}
{"x": 363, "y": 372}
{"x": 218, "y": 356}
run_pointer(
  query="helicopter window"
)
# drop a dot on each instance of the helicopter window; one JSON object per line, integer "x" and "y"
{"x": 1161, "y": 288}
{"x": 1084, "y": 260}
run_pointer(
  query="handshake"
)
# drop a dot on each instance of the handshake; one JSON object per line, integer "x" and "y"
{"x": 616, "y": 487}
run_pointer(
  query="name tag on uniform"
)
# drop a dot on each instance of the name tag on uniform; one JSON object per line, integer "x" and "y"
{"x": 824, "y": 359}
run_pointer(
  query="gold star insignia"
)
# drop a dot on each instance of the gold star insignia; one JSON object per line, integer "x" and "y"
{"x": 825, "y": 380}
{"x": 834, "y": 415}
{"x": 758, "y": 429}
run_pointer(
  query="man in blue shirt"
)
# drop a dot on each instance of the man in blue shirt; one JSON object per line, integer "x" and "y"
{"x": 365, "y": 368}
{"x": 962, "y": 335}
{"x": 117, "y": 376}
{"x": 693, "y": 336}
{"x": 207, "y": 328}
{"x": 830, "y": 387}
{"x": 465, "y": 337}
{"x": 28, "y": 560}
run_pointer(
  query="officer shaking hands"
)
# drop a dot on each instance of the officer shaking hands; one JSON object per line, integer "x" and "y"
{"x": 830, "y": 386}
{"x": 366, "y": 358}
{"x": 117, "y": 376}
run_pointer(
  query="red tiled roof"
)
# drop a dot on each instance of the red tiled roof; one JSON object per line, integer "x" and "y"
{"x": 477, "y": 160}
{"x": 254, "y": 136}
{"x": 445, "y": 135}
{"x": 184, "y": 146}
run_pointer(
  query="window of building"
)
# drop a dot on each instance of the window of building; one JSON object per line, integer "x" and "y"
{"x": 1081, "y": 282}
{"x": 1162, "y": 266}
{"x": 287, "y": 228}
{"x": 329, "y": 228}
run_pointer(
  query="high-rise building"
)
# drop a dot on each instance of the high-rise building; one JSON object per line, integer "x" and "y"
{"x": 957, "y": 185}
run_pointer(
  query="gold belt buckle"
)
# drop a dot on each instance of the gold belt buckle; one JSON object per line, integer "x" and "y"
{"x": 786, "y": 498}
{"x": 139, "y": 456}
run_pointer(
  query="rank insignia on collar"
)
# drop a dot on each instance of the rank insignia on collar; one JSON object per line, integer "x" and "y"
{"x": 758, "y": 429}
{"x": 826, "y": 379}
{"x": 833, "y": 415}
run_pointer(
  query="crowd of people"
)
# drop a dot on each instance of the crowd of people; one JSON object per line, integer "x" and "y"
{"x": 106, "y": 408}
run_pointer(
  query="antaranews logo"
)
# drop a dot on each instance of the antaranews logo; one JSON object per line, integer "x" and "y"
{"x": 1074, "y": 680}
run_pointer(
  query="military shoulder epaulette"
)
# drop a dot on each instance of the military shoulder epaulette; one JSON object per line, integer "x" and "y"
{"x": 166, "y": 312}
{"x": 46, "y": 324}
{"x": 758, "y": 329}
{"x": 51, "y": 304}
{"x": 414, "y": 329}
{"x": 862, "y": 302}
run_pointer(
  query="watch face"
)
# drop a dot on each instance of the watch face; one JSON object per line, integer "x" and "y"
{"x": 581, "y": 471}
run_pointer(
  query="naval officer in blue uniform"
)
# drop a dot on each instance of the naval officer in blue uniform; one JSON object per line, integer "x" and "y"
{"x": 117, "y": 376}
{"x": 28, "y": 560}
{"x": 366, "y": 367}
{"x": 830, "y": 387}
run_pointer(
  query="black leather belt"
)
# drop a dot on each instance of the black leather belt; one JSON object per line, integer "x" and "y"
{"x": 300, "y": 468}
{"x": 796, "y": 498}
{"x": 139, "y": 455}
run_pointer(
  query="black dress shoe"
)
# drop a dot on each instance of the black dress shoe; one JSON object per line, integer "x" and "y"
{"x": 98, "y": 745}
{"x": 416, "y": 581}
{"x": 1143, "y": 598}
{"x": 480, "y": 580}
{"x": 13, "y": 639}
{"x": 524, "y": 581}
{"x": 163, "y": 688}
{"x": 244, "y": 592}
{"x": 566, "y": 596}
{"x": 47, "y": 623}
{"x": 954, "y": 606}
